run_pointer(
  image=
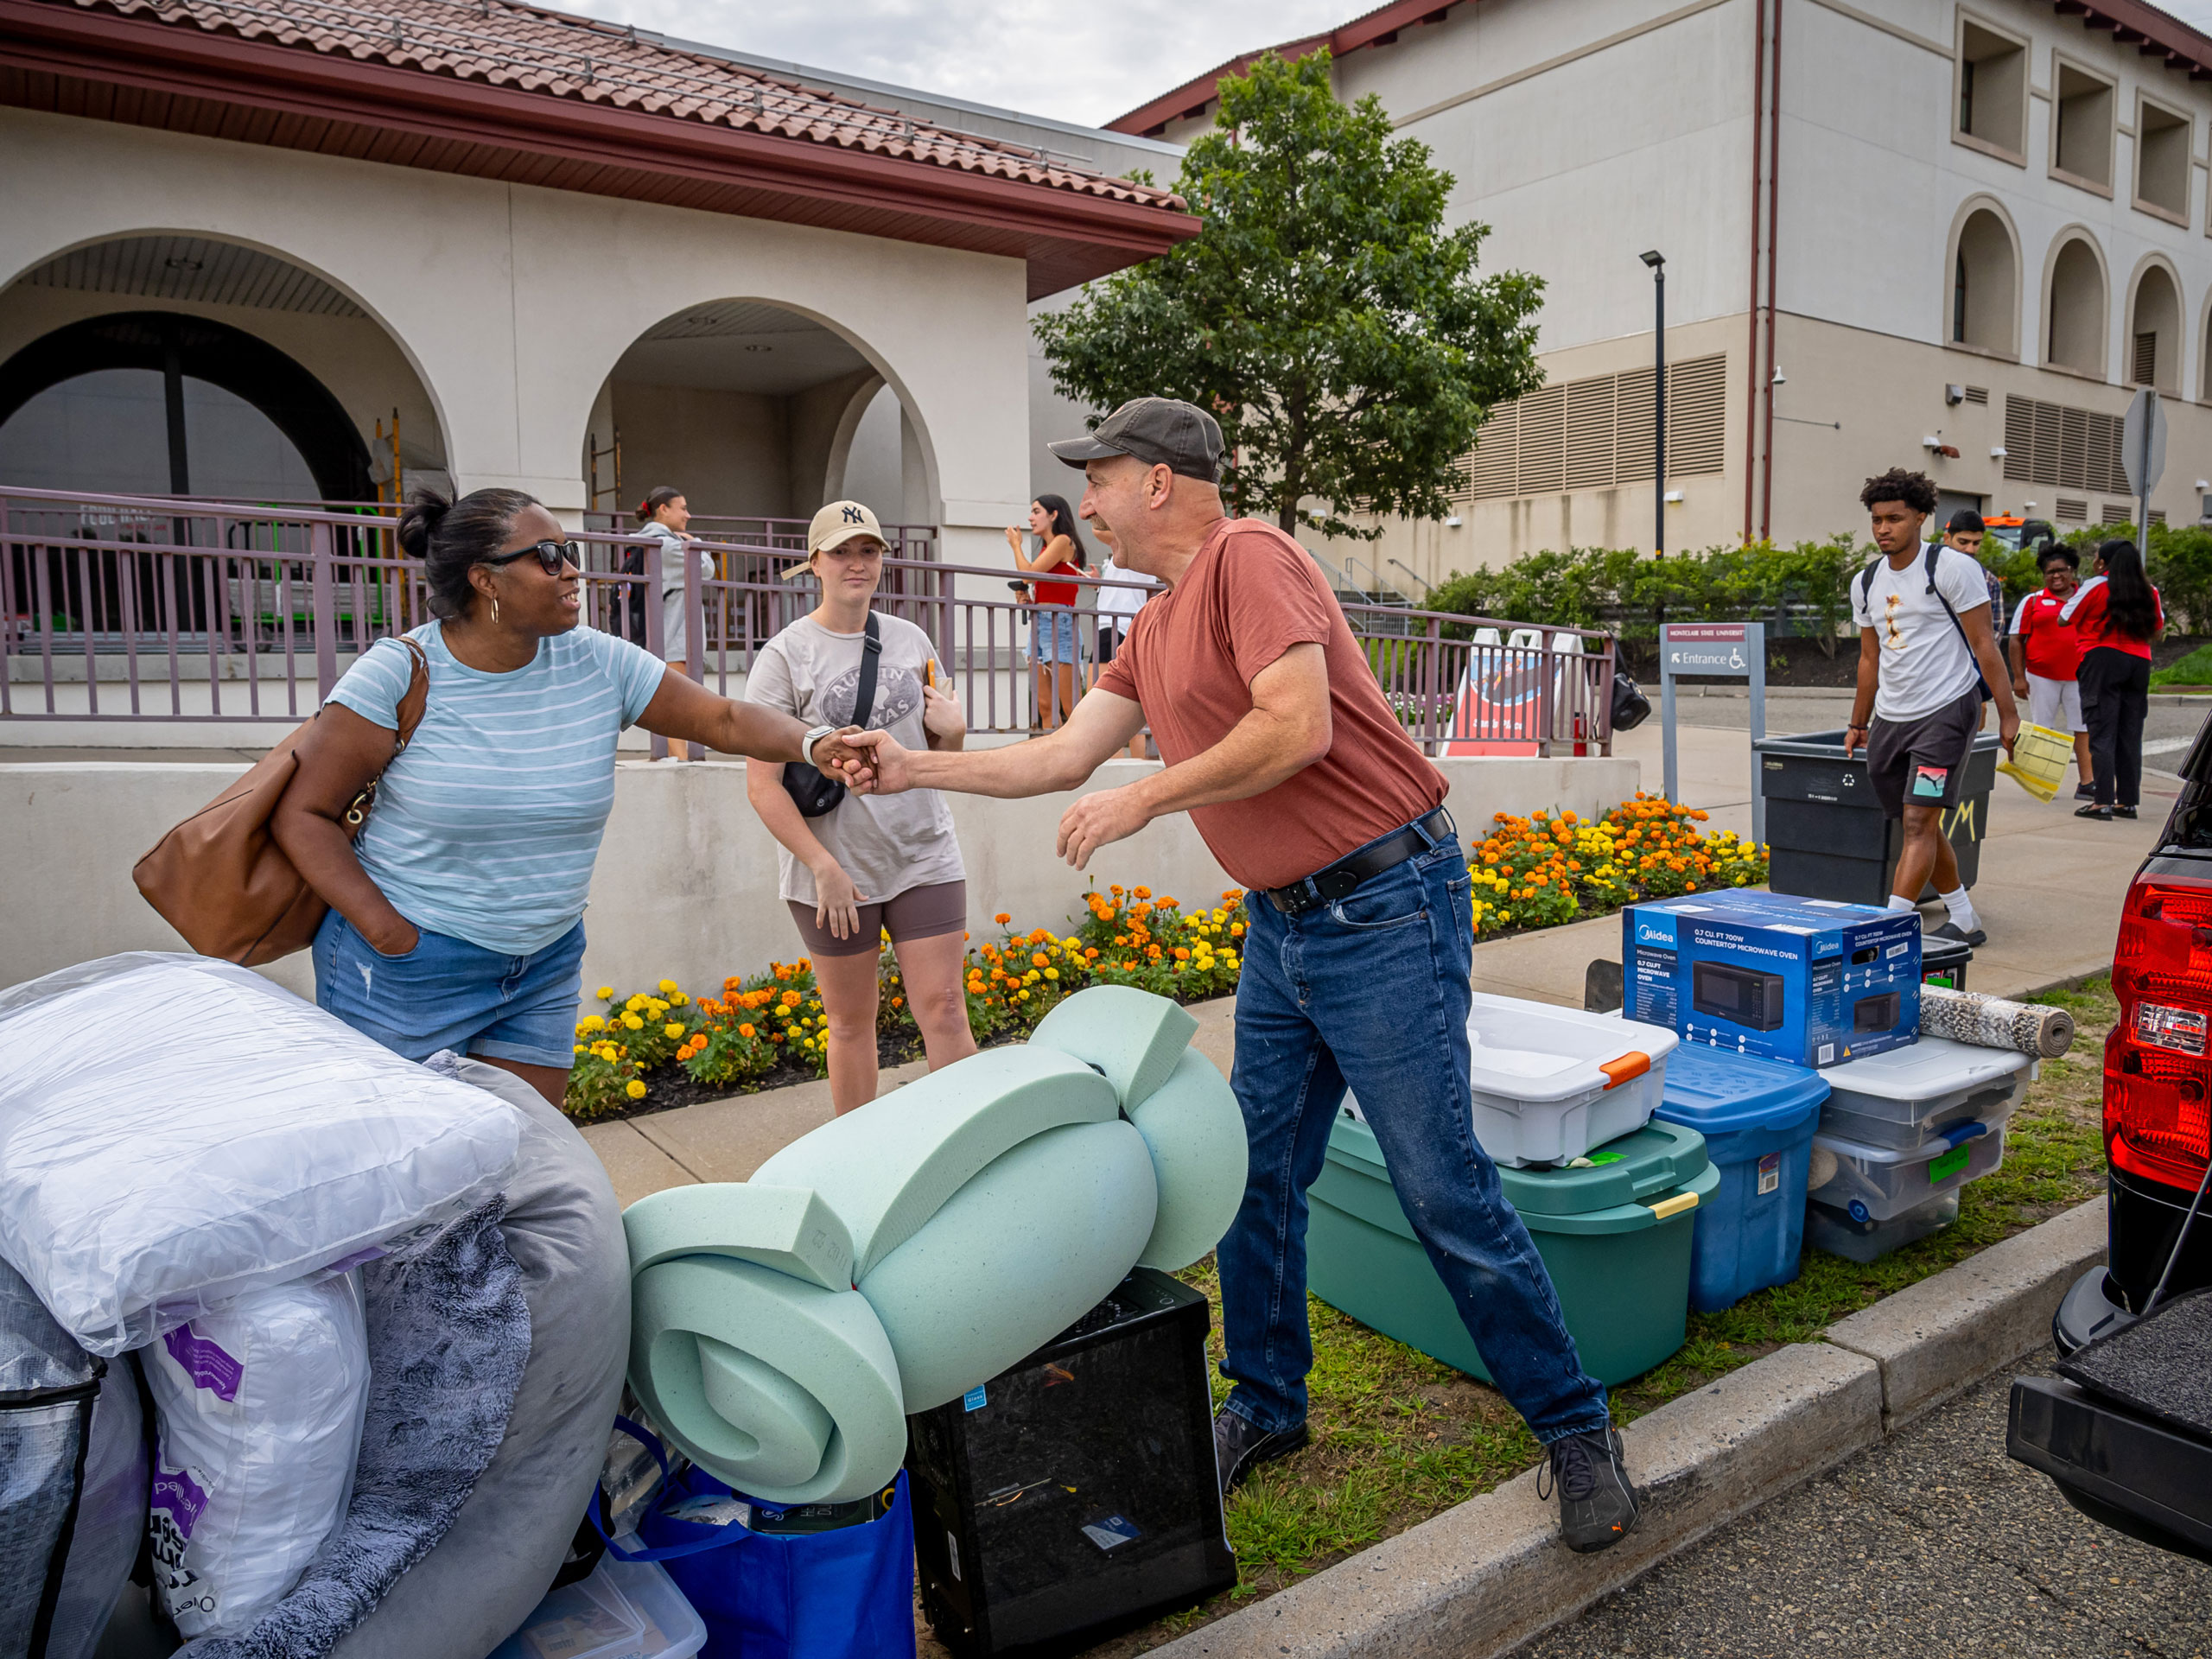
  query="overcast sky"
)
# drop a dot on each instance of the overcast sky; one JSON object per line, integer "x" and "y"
{"x": 1083, "y": 63}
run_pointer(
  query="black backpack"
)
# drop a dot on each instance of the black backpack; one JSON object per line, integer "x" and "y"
{"x": 1865, "y": 603}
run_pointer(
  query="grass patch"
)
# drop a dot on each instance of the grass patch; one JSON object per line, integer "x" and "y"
{"x": 2196, "y": 668}
{"x": 1399, "y": 1438}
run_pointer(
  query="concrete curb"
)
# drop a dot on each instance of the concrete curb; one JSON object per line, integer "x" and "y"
{"x": 1480, "y": 1580}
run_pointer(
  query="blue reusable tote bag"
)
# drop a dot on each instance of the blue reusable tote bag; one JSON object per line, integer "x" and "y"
{"x": 846, "y": 1594}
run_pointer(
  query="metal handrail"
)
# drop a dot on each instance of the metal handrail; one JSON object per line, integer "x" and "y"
{"x": 178, "y": 589}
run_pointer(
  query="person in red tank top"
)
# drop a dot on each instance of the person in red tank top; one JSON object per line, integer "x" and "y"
{"x": 1357, "y": 933}
{"x": 1052, "y": 651}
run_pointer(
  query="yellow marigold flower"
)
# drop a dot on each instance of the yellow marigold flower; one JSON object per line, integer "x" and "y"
{"x": 632, "y": 1022}
{"x": 1051, "y": 973}
{"x": 605, "y": 992}
{"x": 667, "y": 986}
{"x": 592, "y": 1022}
{"x": 671, "y": 1031}
{"x": 634, "y": 1089}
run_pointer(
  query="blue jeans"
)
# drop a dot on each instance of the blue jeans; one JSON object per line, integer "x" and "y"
{"x": 1373, "y": 992}
{"x": 446, "y": 992}
{"x": 1052, "y": 634}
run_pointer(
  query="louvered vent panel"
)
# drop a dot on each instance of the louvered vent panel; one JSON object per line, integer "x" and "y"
{"x": 1543, "y": 441}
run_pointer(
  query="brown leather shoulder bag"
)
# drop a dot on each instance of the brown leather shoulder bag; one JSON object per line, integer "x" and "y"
{"x": 220, "y": 880}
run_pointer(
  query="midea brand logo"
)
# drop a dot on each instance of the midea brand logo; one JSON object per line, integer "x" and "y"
{"x": 1653, "y": 933}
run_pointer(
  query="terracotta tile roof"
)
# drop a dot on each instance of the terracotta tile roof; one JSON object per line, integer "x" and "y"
{"x": 557, "y": 55}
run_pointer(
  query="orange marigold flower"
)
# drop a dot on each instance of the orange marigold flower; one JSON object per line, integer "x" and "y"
{"x": 748, "y": 1032}
{"x": 1003, "y": 917}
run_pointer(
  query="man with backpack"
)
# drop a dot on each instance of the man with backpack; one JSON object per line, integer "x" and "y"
{"x": 1928, "y": 661}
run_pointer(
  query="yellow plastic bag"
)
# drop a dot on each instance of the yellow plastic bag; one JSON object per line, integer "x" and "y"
{"x": 2038, "y": 762}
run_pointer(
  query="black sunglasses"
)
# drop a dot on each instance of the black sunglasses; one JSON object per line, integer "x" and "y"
{"x": 551, "y": 556}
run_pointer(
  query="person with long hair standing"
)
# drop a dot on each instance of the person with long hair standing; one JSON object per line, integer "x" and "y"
{"x": 1053, "y": 650}
{"x": 867, "y": 865}
{"x": 2116, "y": 616}
{"x": 666, "y": 515}
{"x": 456, "y": 918}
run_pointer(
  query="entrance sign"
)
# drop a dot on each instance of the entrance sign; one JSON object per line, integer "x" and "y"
{"x": 1735, "y": 649}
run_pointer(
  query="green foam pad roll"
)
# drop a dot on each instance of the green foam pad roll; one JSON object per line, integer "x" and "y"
{"x": 889, "y": 1166}
{"x": 781, "y": 1388}
{"x": 1132, "y": 1036}
{"x": 1195, "y": 1132}
{"x": 786, "y": 1228}
{"x": 1019, "y": 1253}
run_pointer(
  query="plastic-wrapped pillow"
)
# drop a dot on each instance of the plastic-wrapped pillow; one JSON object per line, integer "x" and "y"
{"x": 257, "y": 1408}
{"x": 175, "y": 1131}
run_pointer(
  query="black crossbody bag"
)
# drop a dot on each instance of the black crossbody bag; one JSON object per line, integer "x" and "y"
{"x": 812, "y": 790}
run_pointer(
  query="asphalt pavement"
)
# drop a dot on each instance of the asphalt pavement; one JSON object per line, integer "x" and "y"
{"x": 1932, "y": 1545}
{"x": 2168, "y": 728}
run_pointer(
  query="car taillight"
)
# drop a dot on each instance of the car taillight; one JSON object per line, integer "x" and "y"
{"x": 2157, "y": 1080}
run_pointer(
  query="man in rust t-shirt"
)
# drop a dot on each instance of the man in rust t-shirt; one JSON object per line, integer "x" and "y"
{"x": 1276, "y": 739}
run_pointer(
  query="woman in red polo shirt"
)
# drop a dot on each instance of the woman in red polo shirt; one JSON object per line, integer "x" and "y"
{"x": 1052, "y": 649}
{"x": 2116, "y": 616}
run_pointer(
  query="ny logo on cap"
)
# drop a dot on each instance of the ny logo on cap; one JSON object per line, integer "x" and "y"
{"x": 852, "y": 515}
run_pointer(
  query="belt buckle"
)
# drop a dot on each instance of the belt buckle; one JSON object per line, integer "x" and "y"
{"x": 1295, "y": 899}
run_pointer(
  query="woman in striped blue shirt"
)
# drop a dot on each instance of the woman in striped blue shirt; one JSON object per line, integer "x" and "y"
{"x": 456, "y": 918}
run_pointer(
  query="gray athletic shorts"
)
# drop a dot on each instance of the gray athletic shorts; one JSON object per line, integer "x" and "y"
{"x": 1922, "y": 762}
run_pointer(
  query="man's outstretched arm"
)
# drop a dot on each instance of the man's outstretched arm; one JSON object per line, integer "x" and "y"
{"x": 1101, "y": 725}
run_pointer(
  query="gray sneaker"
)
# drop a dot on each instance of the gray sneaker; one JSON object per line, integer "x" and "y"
{"x": 1597, "y": 1504}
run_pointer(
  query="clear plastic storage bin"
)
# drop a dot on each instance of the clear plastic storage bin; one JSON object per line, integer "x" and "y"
{"x": 624, "y": 1610}
{"x": 1551, "y": 1082}
{"x": 1904, "y": 1097}
{"x": 1834, "y": 1231}
{"x": 1878, "y": 1183}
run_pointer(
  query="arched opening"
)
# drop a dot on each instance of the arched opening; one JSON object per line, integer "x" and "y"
{"x": 2154, "y": 331}
{"x": 1985, "y": 285}
{"x": 2074, "y": 335}
{"x": 760, "y": 415}
{"x": 158, "y": 403}
{"x": 179, "y": 364}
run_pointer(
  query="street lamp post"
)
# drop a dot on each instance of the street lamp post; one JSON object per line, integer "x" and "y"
{"x": 1657, "y": 262}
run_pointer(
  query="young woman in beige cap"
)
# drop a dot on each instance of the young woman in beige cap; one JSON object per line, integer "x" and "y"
{"x": 867, "y": 865}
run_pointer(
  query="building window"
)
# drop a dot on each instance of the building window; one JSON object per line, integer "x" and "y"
{"x": 2061, "y": 446}
{"x": 2074, "y": 336}
{"x": 2154, "y": 331}
{"x": 2162, "y": 145}
{"x": 1985, "y": 285}
{"x": 1992, "y": 82}
{"x": 1595, "y": 433}
{"x": 2082, "y": 127}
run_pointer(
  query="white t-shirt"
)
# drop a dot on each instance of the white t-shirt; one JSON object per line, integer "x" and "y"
{"x": 1120, "y": 604}
{"x": 1925, "y": 663}
{"x": 886, "y": 843}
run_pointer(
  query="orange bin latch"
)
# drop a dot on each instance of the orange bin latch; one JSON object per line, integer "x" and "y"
{"x": 1634, "y": 1064}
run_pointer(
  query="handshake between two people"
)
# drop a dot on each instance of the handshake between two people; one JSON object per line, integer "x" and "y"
{"x": 875, "y": 763}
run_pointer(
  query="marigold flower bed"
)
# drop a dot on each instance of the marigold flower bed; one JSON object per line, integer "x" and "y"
{"x": 649, "y": 1049}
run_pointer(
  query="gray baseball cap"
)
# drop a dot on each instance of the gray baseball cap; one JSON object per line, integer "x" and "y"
{"x": 1160, "y": 431}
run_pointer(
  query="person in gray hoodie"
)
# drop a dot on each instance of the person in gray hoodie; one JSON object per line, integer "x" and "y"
{"x": 664, "y": 513}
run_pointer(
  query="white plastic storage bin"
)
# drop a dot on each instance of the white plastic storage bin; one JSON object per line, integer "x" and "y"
{"x": 1877, "y": 1183}
{"x": 1904, "y": 1097}
{"x": 624, "y": 1610}
{"x": 1551, "y": 1082}
{"x": 1834, "y": 1231}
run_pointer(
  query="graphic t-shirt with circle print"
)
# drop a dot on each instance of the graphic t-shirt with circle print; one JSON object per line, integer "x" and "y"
{"x": 886, "y": 843}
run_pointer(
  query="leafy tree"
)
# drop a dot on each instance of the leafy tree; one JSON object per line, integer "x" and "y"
{"x": 1326, "y": 313}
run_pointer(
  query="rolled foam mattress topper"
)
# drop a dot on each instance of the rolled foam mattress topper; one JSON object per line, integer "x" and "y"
{"x": 175, "y": 1131}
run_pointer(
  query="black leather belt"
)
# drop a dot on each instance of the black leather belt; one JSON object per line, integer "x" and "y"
{"x": 1340, "y": 880}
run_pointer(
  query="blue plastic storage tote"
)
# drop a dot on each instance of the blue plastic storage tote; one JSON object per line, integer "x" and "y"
{"x": 1757, "y": 1118}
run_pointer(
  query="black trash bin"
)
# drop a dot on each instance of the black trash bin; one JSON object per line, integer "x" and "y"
{"x": 1825, "y": 828}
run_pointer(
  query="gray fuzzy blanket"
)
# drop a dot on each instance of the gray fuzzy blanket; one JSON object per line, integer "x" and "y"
{"x": 449, "y": 1337}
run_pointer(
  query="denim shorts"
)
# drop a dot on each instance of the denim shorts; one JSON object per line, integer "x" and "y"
{"x": 446, "y": 992}
{"x": 1053, "y": 640}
